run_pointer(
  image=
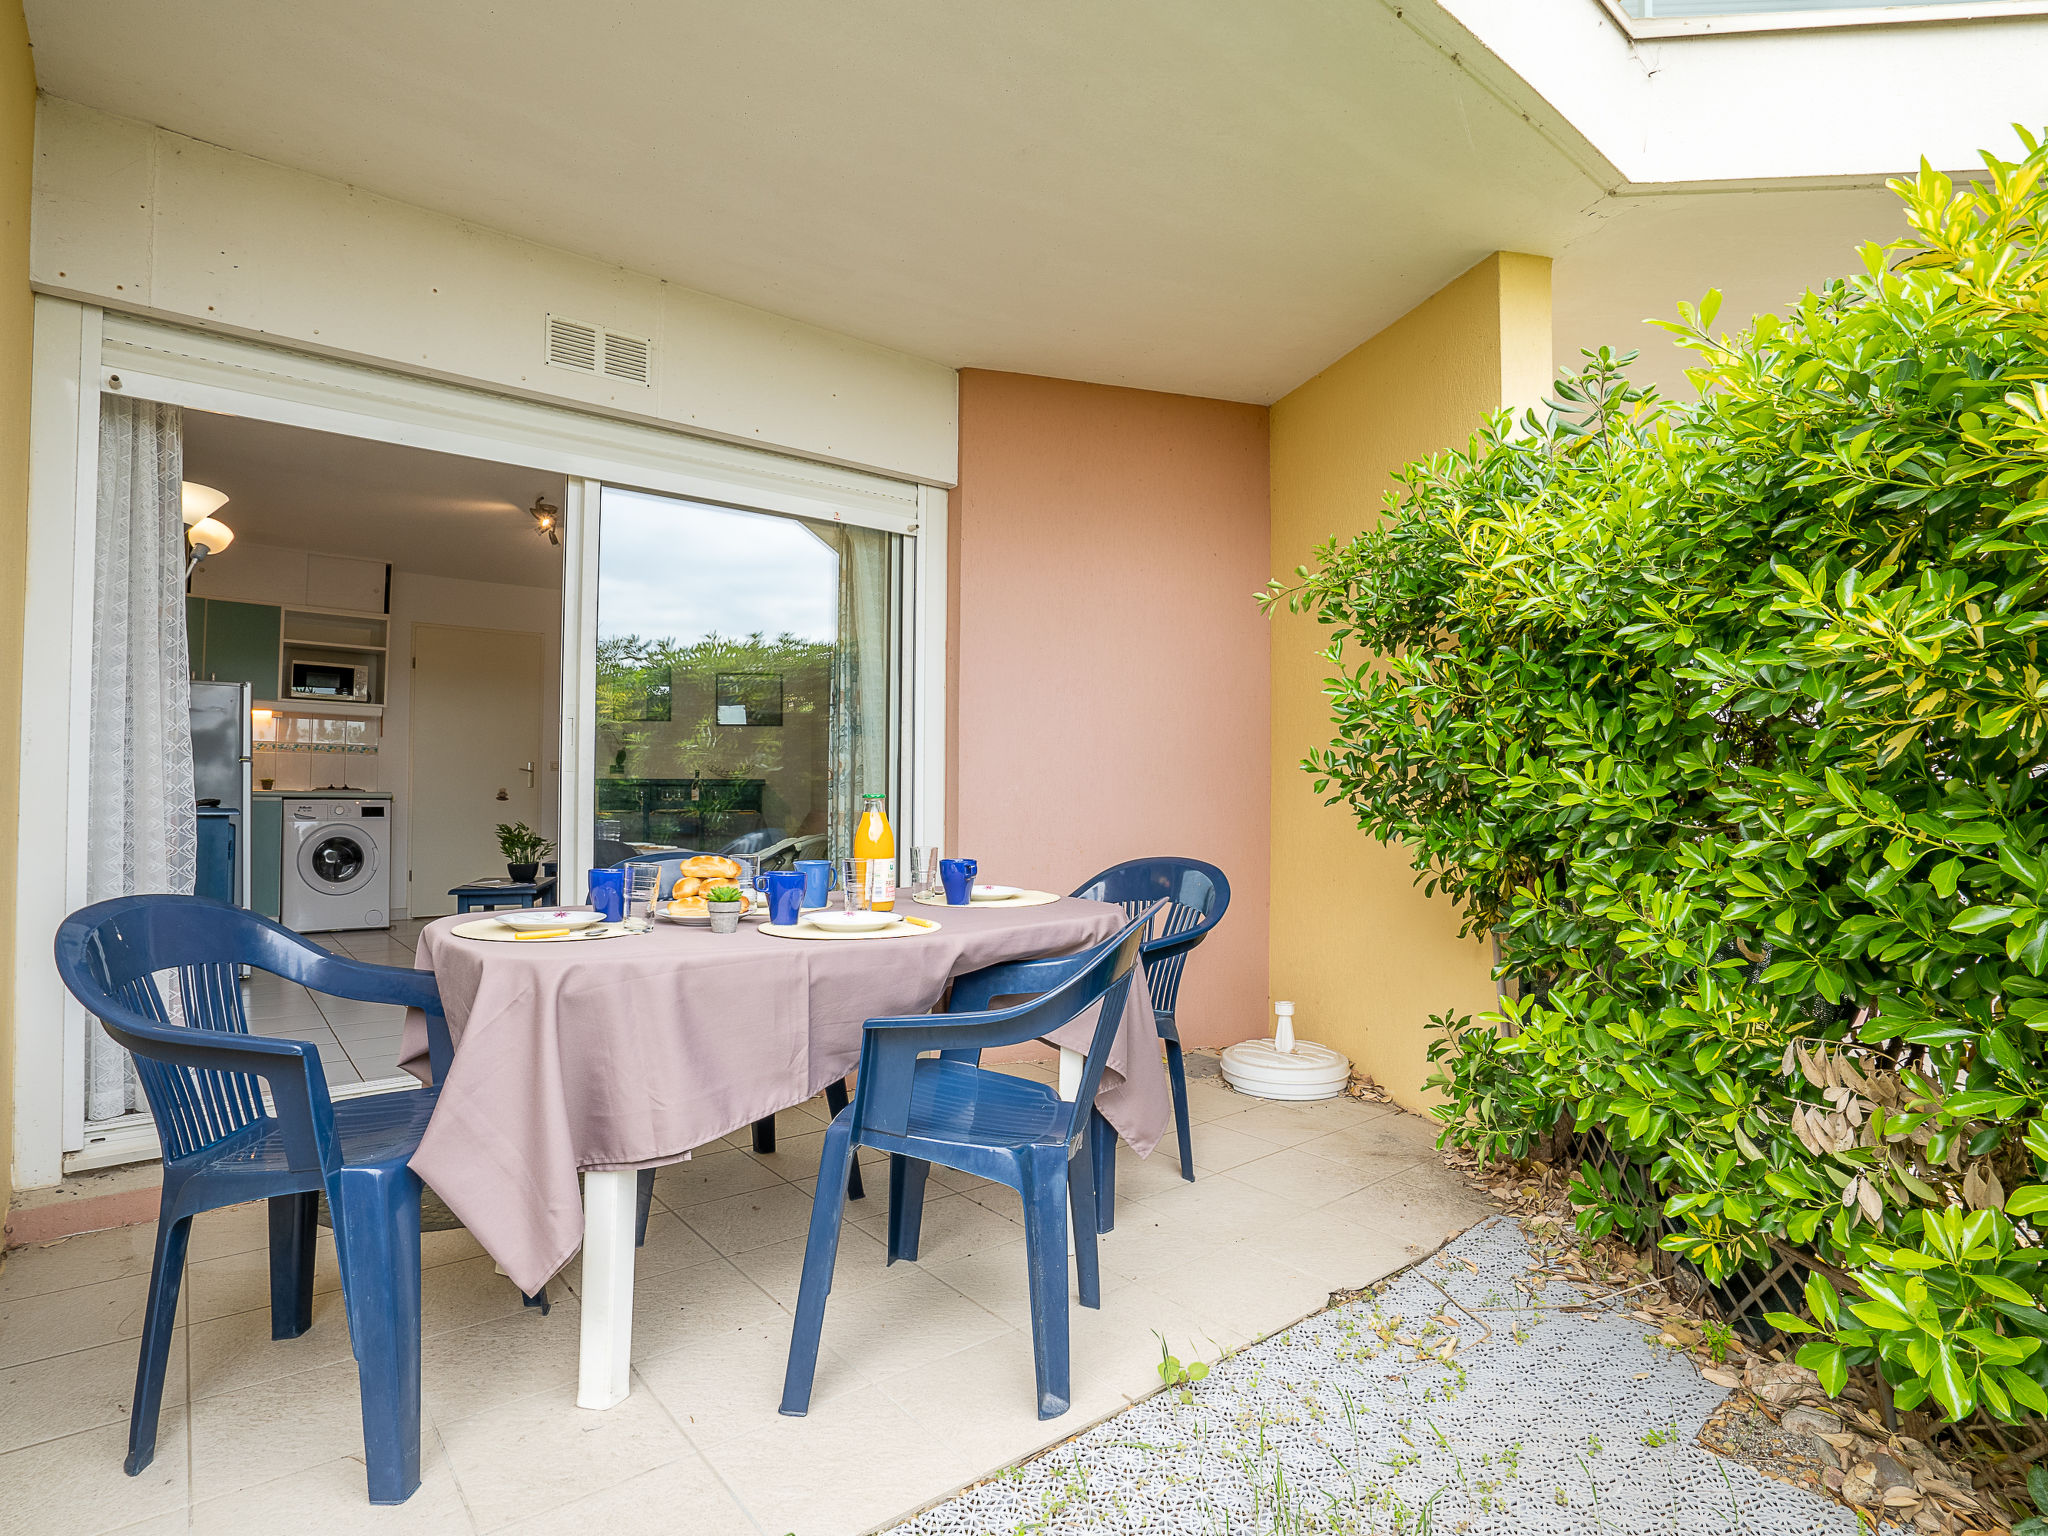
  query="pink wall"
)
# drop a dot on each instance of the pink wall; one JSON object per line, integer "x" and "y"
{"x": 1109, "y": 672}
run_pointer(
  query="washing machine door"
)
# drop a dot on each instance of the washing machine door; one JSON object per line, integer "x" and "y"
{"x": 336, "y": 858}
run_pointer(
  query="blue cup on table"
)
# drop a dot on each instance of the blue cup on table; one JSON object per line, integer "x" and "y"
{"x": 819, "y": 879}
{"x": 608, "y": 892}
{"x": 785, "y": 897}
{"x": 957, "y": 876}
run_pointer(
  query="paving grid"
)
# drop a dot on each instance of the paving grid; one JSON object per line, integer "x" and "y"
{"x": 1459, "y": 1397}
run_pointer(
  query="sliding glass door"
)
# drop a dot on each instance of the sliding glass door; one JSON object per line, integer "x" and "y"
{"x": 746, "y": 681}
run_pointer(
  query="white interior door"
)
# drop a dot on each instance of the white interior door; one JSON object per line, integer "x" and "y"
{"x": 476, "y": 754}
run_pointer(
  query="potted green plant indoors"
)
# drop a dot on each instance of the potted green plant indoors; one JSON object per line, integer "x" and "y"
{"x": 523, "y": 848}
{"x": 726, "y": 905}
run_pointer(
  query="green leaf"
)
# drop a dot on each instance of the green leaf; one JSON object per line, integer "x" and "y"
{"x": 1951, "y": 1384}
{"x": 1822, "y": 1300}
{"x": 1977, "y": 919}
{"x": 1828, "y": 1361}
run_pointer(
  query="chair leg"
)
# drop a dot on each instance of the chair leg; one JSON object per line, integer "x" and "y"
{"x": 1083, "y": 1202}
{"x": 166, "y": 1274}
{"x": 906, "y": 1204}
{"x": 1177, "y": 1076}
{"x": 1102, "y": 1140}
{"x": 821, "y": 1252}
{"x": 1045, "y": 1255}
{"x": 294, "y": 1224}
{"x": 643, "y": 1202}
{"x": 380, "y": 1281}
{"x": 836, "y": 1100}
{"x": 764, "y": 1135}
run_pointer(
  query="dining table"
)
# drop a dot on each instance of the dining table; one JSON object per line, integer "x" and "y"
{"x": 577, "y": 1063}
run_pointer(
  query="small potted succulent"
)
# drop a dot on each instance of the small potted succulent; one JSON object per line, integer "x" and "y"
{"x": 523, "y": 848}
{"x": 726, "y": 905}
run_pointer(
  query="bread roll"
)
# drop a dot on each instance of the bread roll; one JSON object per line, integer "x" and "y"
{"x": 709, "y": 866}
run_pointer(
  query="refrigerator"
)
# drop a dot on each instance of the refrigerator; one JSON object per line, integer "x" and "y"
{"x": 221, "y": 749}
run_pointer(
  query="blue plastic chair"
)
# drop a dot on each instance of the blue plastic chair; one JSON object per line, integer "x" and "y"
{"x": 222, "y": 1145}
{"x": 1199, "y": 896}
{"x": 949, "y": 1110}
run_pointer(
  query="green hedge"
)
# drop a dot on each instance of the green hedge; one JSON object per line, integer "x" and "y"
{"x": 1728, "y": 718}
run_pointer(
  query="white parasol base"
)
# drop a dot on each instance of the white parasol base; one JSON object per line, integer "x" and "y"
{"x": 1284, "y": 1067}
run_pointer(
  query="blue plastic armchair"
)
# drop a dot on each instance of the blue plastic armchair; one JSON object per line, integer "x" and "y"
{"x": 949, "y": 1110}
{"x": 223, "y": 1145}
{"x": 1199, "y": 896}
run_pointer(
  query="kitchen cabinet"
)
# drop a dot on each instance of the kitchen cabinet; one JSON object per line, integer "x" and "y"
{"x": 234, "y": 643}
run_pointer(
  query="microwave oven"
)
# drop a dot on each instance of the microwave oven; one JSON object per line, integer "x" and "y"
{"x": 329, "y": 680}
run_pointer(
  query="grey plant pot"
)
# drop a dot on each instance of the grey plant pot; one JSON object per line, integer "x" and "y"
{"x": 725, "y": 915}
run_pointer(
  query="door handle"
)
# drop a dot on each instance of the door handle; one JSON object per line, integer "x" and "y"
{"x": 528, "y": 771}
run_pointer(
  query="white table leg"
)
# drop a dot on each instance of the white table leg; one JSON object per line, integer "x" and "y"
{"x": 1071, "y": 1063}
{"x": 608, "y": 1221}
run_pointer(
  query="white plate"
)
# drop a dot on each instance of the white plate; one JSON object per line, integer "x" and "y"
{"x": 832, "y": 920}
{"x": 994, "y": 892}
{"x": 757, "y": 910}
{"x": 534, "y": 919}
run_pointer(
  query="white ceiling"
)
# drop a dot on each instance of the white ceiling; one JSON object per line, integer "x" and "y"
{"x": 1199, "y": 196}
{"x": 428, "y": 512}
{"x": 1195, "y": 195}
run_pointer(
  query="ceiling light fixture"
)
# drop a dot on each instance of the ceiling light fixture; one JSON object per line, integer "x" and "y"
{"x": 205, "y": 534}
{"x": 546, "y": 518}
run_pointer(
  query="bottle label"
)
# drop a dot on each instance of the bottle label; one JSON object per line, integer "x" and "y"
{"x": 881, "y": 881}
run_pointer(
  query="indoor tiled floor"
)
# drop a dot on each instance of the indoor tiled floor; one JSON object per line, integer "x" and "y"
{"x": 358, "y": 1041}
{"x": 924, "y": 1383}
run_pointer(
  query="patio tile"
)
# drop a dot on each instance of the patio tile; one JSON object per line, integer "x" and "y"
{"x": 339, "y": 1011}
{"x": 729, "y": 1383}
{"x": 1287, "y": 1124}
{"x": 1337, "y": 1254}
{"x": 952, "y": 1227}
{"x": 649, "y": 1505}
{"x": 1139, "y": 1178}
{"x": 1382, "y": 1140}
{"x": 274, "y": 1428}
{"x": 708, "y": 1176}
{"x": 240, "y": 1282}
{"x": 231, "y": 1229}
{"x": 1144, "y": 1243}
{"x": 1219, "y": 1206}
{"x": 686, "y": 1307}
{"x": 471, "y": 1291}
{"x": 1300, "y": 1175}
{"x": 534, "y": 1455}
{"x": 48, "y": 1399}
{"x": 846, "y": 1467}
{"x": 1218, "y": 1148}
{"x": 75, "y": 1486}
{"x": 118, "y": 1254}
{"x": 1118, "y": 1343}
{"x": 227, "y": 1354}
{"x": 1425, "y": 1204}
{"x": 905, "y": 1320}
{"x": 1210, "y": 1098}
{"x": 63, "y": 1322}
{"x": 772, "y": 1214}
{"x": 1245, "y": 1299}
{"x": 467, "y": 1371}
{"x": 332, "y": 1499}
{"x": 983, "y": 1401}
{"x": 778, "y": 1268}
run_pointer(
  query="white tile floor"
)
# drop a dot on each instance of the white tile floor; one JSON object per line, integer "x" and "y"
{"x": 923, "y": 1386}
{"x": 358, "y": 1041}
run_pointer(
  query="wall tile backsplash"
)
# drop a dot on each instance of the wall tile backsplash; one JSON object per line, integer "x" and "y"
{"x": 310, "y": 751}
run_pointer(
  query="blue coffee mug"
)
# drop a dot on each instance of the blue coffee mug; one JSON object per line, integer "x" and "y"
{"x": 785, "y": 897}
{"x": 957, "y": 875}
{"x": 819, "y": 878}
{"x": 608, "y": 892}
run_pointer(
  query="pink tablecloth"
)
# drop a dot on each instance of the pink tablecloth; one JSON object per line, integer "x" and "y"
{"x": 629, "y": 1052}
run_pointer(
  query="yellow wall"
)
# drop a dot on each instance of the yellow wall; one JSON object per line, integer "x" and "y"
{"x": 17, "y": 160}
{"x": 1364, "y": 956}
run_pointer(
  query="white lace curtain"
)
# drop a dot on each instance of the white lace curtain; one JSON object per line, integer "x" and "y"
{"x": 141, "y": 834}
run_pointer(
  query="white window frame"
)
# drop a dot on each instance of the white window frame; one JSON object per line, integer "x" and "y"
{"x": 81, "y": 351}
{"x": 1661, "y": 28}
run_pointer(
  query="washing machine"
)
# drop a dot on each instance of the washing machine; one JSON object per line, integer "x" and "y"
{"x": 337, "y": 865}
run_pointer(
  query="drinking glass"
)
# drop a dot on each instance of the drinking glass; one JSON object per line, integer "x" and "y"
{"x": 924, "y": 869}
{"x": 853, "y": 880}
{"x": 643, "y": 884}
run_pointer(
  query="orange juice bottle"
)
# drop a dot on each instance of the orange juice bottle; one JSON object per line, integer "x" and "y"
{"x": 875, "y": 842}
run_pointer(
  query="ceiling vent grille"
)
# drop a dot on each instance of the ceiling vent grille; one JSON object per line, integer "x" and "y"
{"x": 625, "y": 357}
{"x": 591, "y": 349}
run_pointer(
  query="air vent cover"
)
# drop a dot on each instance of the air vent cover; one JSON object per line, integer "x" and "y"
{"x": 591, "y": 349}
{"x": 625, "y": 357}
